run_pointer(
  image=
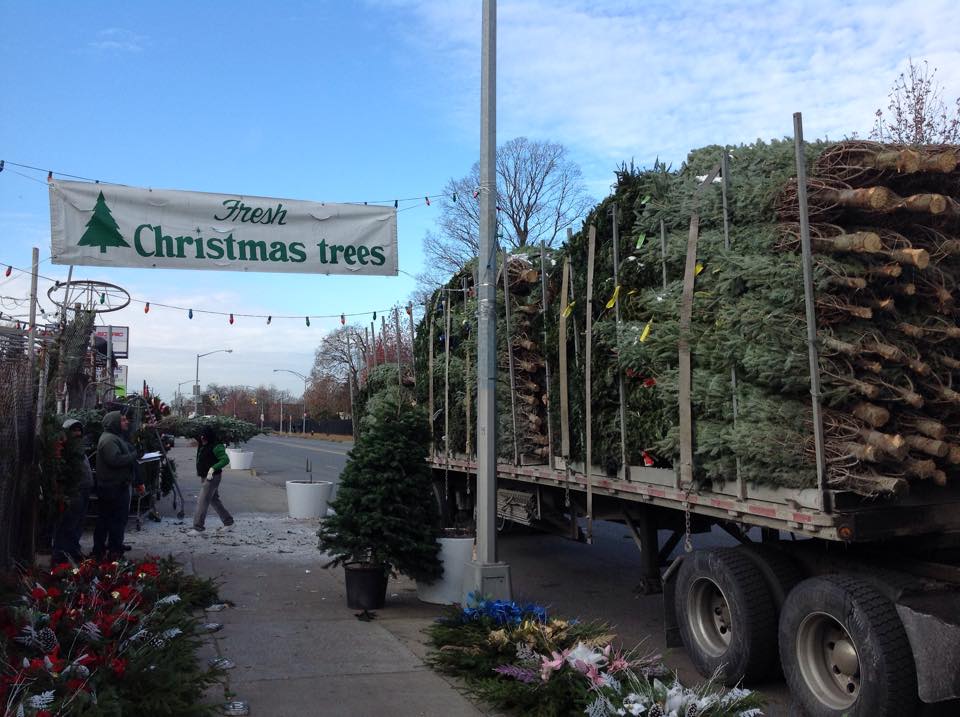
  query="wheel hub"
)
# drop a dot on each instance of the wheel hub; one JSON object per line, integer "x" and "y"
{"x": 710, "y": 621}
{"x": 828, "y": 660}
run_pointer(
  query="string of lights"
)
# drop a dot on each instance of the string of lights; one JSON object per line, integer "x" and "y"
{"x": 232, "y": 315}
{"x": 422, "y": 200}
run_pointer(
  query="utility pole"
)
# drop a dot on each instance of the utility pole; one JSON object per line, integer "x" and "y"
{"x": 485, "y": 574}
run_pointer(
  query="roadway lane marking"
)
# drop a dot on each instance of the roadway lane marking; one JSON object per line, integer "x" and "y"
{"x": 306, "y": 448}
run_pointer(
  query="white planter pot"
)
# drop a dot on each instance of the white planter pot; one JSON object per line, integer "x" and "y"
{"x": 455, "y": 553}
{"x": 308, "y": 500}
{"x": 239, "y": 459}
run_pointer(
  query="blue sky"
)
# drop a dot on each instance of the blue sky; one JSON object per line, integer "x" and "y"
{"x": 366, "y": 101}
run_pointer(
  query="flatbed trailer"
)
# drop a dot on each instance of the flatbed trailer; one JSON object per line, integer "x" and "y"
{"x": 855, "y": 598}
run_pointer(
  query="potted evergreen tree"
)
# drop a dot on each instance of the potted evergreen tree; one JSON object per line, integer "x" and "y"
{"x": 386, "y": 518}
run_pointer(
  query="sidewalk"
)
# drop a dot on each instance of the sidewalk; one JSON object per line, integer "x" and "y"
{"x": 298, "y": 649}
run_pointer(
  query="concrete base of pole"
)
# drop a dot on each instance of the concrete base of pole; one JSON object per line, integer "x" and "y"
{"x": 491, "y": 580}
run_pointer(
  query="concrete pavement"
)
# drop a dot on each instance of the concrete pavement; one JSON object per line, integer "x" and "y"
{"x": 298, "y": 649}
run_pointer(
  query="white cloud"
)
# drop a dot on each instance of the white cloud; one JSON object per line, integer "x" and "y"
{"x": 117, "y": 39}
{"x": 616, "y": 80}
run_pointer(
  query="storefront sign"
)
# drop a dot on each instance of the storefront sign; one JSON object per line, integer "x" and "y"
{"x": 121, "y": 340}
{"x": 114, "y": 225}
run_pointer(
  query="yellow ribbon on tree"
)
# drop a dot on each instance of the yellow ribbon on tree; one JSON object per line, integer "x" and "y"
{"x": 646, "y": 331}
{"x": 613, "y": 299}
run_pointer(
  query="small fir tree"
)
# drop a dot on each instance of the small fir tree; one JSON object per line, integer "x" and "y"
{"x": 102, "y": 229}
{"x": 385, "y": 509}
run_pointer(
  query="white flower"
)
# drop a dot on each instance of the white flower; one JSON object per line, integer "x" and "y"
{"x": 734, "y": 695}
{"x": 586, "y": 655}
{"x": 41, "y": 701}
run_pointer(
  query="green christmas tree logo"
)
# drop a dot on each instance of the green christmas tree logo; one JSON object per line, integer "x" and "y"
{"x": 102, "y": 229}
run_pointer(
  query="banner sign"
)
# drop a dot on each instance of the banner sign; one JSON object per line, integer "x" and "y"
{"x": 121, "y": 340}
{"x": 120, "y": 380}
{"x": 114, "y": 225}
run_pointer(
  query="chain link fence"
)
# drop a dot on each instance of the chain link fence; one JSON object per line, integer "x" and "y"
{"x": 16, "y": 446}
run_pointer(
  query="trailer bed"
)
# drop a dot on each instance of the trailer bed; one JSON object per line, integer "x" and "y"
{"x": 846, "y": 517}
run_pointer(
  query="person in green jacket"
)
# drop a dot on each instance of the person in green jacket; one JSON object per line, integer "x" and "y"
{"x": 115, "y": 473}
{"x": 211, "y": 460}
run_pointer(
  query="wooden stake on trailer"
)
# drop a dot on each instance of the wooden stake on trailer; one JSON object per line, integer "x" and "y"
{"x": 367, "y": 351}
{"x": 433, "y": 443}
{"x": 413, "y": 340}
{"x": 468, "y": 389}
{"x": 546, "y": 354}
{"x": 562, "y": 354}
{"x": 573, "y": 318}
{"x": 588, "y": 440}
{"x": 616, "y": 309}
{"x": 513, "y": 380}
{"x": 373, "y": 344}
{"x": 446, "y": 379}
{"x": 396, "y": 323}
{"x": 741, "y": 486}
{"x": 383, "y": 337}
{"x": 663, "y": 251}
{"x": 686, "y": 315}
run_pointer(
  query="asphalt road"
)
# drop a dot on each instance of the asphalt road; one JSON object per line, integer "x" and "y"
{"x": 280, "y": 458}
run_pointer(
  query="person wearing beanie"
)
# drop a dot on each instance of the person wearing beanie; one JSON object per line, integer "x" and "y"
{"x": 116, "y": 471}
{"x": 211, "y": 460}
{"x": 66, "y": 540}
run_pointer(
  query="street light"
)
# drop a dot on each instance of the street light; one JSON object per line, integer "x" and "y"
{"x": 196, "y": 385}
{"x": 305, "y": 380}
{"x": 180, "y": 395}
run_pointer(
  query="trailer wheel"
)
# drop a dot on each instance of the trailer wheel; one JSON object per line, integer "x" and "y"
{"x": 844, "y": 650}
{"x": 726, "y": 615}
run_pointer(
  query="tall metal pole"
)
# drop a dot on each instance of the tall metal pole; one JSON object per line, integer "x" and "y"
{"x": 807, "y": 260}
{"x": 492, "y": 580}
{"x": 196, "y": 389}
{"x": 31, "y": 337}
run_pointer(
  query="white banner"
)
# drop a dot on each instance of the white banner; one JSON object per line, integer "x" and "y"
{"x": 114, "y": 225}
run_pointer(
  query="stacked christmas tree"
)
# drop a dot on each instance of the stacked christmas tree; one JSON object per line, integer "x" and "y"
{"x": 886, "y": 240}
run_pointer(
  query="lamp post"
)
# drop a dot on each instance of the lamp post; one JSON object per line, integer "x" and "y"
{"x": 196, "y": 385}
{"x": 180, "y": 395}
{"x": 305, "y": 380}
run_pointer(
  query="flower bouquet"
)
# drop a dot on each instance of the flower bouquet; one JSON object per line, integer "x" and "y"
{"x": 517, "y": 658}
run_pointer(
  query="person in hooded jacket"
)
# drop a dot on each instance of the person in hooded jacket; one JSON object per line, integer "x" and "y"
{"x": 211, "y": 460}
{"x": 66, "y": 541}
{"x": 116, "y": 472}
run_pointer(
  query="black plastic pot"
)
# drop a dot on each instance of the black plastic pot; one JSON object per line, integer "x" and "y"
{"x": 366, "y": 586}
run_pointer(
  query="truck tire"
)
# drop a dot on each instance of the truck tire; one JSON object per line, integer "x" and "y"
{"x": 726, "y": 616}
{"x": 844, "y": 650}
{"x": 781, "y": 571}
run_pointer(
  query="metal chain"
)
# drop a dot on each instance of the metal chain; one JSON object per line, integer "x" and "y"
{"x": 687, "y": 542}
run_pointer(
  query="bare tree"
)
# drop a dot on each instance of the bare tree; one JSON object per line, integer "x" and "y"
{"x": 540, "y": 193}
{"x": 917, "y": 111}
{"x": 328, "y": 396}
